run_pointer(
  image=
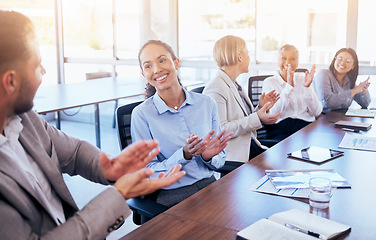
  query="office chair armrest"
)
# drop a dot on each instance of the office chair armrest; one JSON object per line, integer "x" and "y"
{"x": 268, "y": 142}
{"x": 146, "y": 207}
{"x": 264, "y": 140}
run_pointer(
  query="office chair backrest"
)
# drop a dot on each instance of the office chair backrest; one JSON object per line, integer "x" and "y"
{"x": 303, "y": 70}
{"x": 198, "y": 89}
{"x": 255, "y": 88}
{"x": 143, "y": 209}
{"x": 123, "y": 116}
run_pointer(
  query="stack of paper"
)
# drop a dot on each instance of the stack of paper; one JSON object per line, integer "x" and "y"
{"x": 295, "y": 183}
{"x": 358, "y": 142}
{"x": 300, "y": 178}
{"x": 361, "y": 113}
{"x": 264, "y": 185}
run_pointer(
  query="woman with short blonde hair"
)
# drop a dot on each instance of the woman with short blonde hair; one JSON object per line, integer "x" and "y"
{"x": 226, "y": 50}
{"x": 236, "y": 112}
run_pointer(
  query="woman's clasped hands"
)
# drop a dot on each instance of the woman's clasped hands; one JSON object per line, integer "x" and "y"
{"x": 308, "y": 76}
{"x": 207, "y": 147}
{"x": 364, "y": 85}
{"x": 361, "y": 88}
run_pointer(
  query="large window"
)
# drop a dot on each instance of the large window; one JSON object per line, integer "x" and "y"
{"x": 105, "y": 35}
{"x": 316, "y": 27}
{"x": 87, "y": 28}
{"x": 128, "y": 28}
{"x": 89, "y": 38}
{"x": 109, "y": 33}
{"x": 366, "y": 47}
{"x": 201, "y": 23}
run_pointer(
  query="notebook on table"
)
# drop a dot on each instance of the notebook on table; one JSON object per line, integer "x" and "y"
{"x": 293, "y": 224}
{"x": 353, "y": 125}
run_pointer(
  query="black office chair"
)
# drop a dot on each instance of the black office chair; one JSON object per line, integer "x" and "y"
{"x": 255, "y": 88}
{"x": 123, "y": 117}
{"x": 198, "y": 89}
{"x": 143, "y": 209}
{"x": 254, "y": 93}
{"x": 97, "y": 75}
{"x": 303, "y": 70}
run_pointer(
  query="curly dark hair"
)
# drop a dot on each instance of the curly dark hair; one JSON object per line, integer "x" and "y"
{"x": 149, "y": 89}
{"x": 353, "y": 73}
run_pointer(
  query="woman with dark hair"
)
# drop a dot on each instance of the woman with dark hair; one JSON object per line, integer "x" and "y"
{"x": 336, "y": 87}
{"x": 185, "y": 124}
{"x": 150, "y": 89}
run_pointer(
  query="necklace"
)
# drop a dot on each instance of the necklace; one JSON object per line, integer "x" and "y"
{"x": 176, "y": 107}
{"x": 180, "y": 100}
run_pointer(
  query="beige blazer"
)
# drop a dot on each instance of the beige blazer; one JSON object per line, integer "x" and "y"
{"x": 233, "y": 116}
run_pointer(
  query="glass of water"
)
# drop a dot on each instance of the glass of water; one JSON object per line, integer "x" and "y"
{"x": 320, "y": 190}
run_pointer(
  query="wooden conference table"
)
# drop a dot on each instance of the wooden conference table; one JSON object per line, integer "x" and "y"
{"x": 60, "y": 97}
{"x": 225, "y": 207}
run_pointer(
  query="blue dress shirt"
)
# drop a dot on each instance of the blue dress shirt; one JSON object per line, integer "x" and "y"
{"x": 153, "y": 119}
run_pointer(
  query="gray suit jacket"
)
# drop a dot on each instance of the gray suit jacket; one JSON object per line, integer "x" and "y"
{"x": 22, "y": 216}
{"x": 233, "y": 116}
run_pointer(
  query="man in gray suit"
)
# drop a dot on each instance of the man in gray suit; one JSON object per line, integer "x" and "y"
{"x": 34, "y": 200}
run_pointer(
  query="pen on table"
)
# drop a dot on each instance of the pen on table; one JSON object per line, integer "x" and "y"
{"x": 350, "y": 130}
{"x": 299, "y": 229}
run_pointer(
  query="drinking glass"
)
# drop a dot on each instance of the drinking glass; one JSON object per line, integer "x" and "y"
{"x": 320, "y": 190}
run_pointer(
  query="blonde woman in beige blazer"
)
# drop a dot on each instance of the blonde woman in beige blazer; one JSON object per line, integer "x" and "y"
{"x": 236, "y": 114}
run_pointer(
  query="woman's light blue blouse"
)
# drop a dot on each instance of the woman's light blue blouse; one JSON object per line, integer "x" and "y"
{"x": 153, "y": 119}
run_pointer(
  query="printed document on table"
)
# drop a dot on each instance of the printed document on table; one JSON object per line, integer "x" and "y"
{"x": 266, "y": 186}
{"x": 358, "y": 142}
{"x": 291, "y": 179}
